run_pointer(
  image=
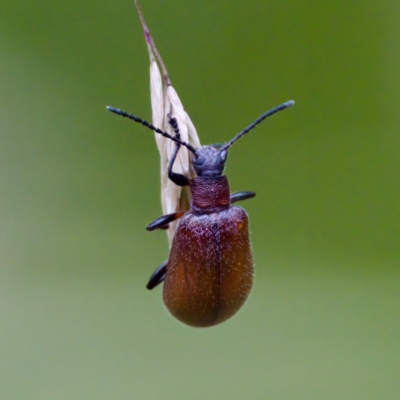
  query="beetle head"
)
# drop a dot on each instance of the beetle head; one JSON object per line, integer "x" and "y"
{"x": 209, "y": 161}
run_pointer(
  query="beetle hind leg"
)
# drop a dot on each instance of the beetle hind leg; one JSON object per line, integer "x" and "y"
{"x": 158, "y": 276}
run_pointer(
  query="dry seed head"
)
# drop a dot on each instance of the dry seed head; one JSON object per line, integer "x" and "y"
{"x": 165, "y": 101}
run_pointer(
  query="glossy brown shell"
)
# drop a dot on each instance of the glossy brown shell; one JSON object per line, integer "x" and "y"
{"x": 210, "y": 271}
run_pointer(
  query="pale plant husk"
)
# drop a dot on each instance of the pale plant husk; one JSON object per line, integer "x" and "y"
{"x": 164, "y": 101}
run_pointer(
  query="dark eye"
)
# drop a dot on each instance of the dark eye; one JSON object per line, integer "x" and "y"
{"x": 223, "y": 155}
{"x": 199, "y": 159}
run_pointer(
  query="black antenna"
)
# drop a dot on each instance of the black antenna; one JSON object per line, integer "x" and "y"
{"x": 256, "y": 122}
{"x": 150, "y": 126}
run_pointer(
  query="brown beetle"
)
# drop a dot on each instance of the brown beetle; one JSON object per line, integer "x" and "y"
{"x": 209, "y": 273}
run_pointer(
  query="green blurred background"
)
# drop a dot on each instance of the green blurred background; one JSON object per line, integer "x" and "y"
{"x": 78, "y": 186}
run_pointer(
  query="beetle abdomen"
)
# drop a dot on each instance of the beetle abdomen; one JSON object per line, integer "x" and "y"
{"x": 210, "y": 269}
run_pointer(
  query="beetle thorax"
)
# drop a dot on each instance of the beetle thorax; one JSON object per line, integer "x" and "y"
{"x": 210, "y": 194}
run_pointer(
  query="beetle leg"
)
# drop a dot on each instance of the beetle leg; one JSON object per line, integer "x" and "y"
{"x": 158, "y": 276}
{"x": 162, "y": 222}
{"x": 174, "y": 123}
{"x": 238, "y": 196}
{"x": 178, "y": 179}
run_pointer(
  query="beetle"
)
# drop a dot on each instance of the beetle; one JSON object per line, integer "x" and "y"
{"x": 209, "y": 273}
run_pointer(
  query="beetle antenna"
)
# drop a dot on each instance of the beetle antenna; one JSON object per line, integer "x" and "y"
{"x": 150, "y": 126}
{"x": 257, "y": 121}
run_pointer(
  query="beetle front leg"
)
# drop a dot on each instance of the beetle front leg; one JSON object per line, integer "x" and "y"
{"x": 162, "y": 222}
{"x": 158, "y": 276}
{"x": 178, "y": 179}
{"x": 238, "y": 196}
